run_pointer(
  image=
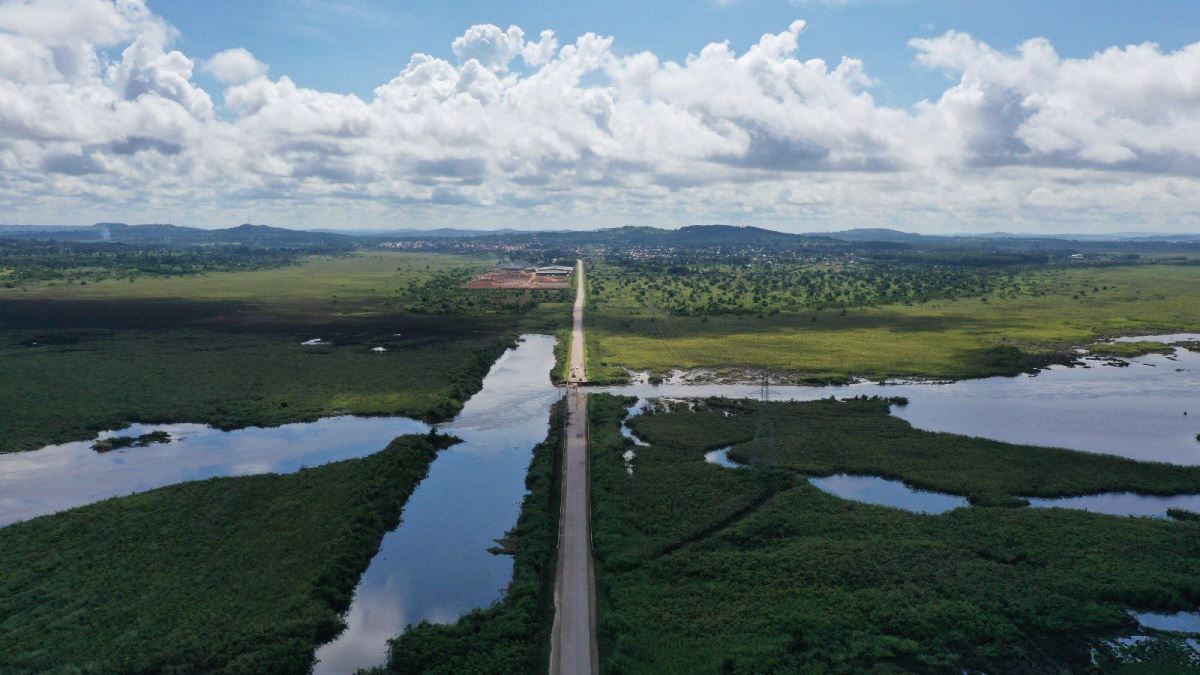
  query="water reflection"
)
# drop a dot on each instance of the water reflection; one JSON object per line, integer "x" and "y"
{"x": 721, "y": 458}
{"x": 435, "y": 566}
{"x": 1179, "y": 622}
{"x": 626, "y": 431}
{"x": 1134, "y": 412}
{"x": 630, "y": 454}
{"x": 1166, "y": 339}
{"x": 1123, "y": 503}
{"x": 884, "y": 492}
{"x": 63, "y": 476}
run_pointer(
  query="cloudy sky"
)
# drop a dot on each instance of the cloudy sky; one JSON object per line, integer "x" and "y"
{"x": 933, "y": 116}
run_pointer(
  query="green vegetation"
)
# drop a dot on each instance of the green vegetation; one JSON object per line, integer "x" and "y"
{"x": 365, "y": 280}
{"x": 93, "y": 381}
{"x": 32, "y": 263}
{"x": 859, "y": 436}
{"x": 751, "y": 286}
{"x": 707, "y": 569}
{"x": 119, "y": 442}
{"x": 1129, "y": 349}
{"x": 327, "y": 286}
{"x": 1026, "y": 320}
{"x": 227, "y": 575}
{"x": 225, "y": 348}
{"x": 512, "y": 636}
{"x": 1183, "y": 514}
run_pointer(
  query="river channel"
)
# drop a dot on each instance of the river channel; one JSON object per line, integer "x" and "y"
{"x": 435, "y": 565}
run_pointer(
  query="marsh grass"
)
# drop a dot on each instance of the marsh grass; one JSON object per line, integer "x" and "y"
{"x": 701, "y": 568}
{"x": 227, "y": 575}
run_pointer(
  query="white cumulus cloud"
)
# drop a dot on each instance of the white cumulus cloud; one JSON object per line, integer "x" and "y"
{"x": 100, "y": 113}
{"x": 235, "y": 66}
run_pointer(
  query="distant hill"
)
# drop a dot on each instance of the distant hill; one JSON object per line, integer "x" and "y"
{"x": 414, "y": 233}
{"x": 174, "y": 235}
{"x": 690, "y": 236}
{"x": 878, "y": 234}
{"x": 1112, "y": 236}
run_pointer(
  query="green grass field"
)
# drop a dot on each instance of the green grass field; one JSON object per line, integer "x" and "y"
{"x": 704, "y": 569}
{"x": 227, "y": 575}
{"x": 367, "y": 277}
{"x": 225, "y": 348}
{"x": 936, "y": 339}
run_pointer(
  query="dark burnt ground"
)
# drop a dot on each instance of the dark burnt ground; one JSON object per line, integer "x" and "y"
{"x": 49, "y": 322}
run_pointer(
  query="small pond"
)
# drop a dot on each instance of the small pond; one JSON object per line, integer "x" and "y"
{"x": 885, "y": 492}
{"x": 1179, "y": 622}
{"x": 1123, "y": 503}
{"x": 721, "y": 458}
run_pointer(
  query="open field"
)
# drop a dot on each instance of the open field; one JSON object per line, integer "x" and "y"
{"x": 960, "y": 338}
{"x": 517, "y": 279}
{"x": 374, "y": 277}
{"x": 225, "y": 348}
{"x": 707, "y": 569}
{"x": 370, "y": 282}
{"x": 227, "y": 575}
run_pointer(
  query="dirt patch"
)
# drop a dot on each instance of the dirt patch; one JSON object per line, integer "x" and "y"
{"x": 518, "y": 279}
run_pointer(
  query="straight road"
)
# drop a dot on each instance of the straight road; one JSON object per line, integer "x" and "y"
{"x": 573, "y": 644}
{"x": 578, "y": 373}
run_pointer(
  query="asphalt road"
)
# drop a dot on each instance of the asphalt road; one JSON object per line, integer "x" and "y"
{"x": 578, "y": 372}
{"x": 573, "y": 645}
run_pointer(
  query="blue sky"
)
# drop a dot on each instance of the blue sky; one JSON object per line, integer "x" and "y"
{"x": 353, "y": 46}
{"x": 801, "y": 115}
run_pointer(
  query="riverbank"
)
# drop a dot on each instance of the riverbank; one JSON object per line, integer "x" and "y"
{"x": 372, "y": 333}
{"x": 1133, "y": 411}
{"x": 97, "y": 381}
{"x": 132, "y": 584}
{"x": 438, "y": 565}
{"x": 512, "y": 635}
{"x": 703, "y": 568}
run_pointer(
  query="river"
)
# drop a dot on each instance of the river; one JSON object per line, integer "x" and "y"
{"x": 1136, "y": 411}
{"x": 435, "y": 565}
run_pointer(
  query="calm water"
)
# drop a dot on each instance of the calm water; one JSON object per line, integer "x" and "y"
{"x": 633, "y": 410}
{"x": 1135, "y": 412}
{"x": 1179, "y": 622}
{"x": 63, "y": 476}
{"x": 435, "y": 566}
{"x": 629, "y": 455}
{"x": 1123, "y": 503}
{"x": 721, "y": 458}
{"x": 885, "y": 492}
{"x": 1167, "y": 338}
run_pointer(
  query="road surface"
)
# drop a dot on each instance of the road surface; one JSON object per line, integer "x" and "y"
{"x": 578, "y": 372}
{"x": 573, "y": 644}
